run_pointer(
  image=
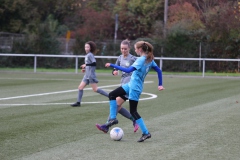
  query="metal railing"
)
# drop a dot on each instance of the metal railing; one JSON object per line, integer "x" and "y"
{"x": 161, "y": 59}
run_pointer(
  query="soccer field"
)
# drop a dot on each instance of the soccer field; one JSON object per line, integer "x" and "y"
{"x": 192, "y": 119}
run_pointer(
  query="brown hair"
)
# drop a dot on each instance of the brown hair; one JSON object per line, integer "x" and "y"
{"x": 93, "y": 46}
{"x": 147, "y": 48}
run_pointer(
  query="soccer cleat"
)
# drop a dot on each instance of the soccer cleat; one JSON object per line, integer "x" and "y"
{"x": 144, "y": 137}
{"x": 77, "y": 104}
{"x": 135, "y": 125}
{"x": 111, "y": 122}
{"x": 103, "y": 128}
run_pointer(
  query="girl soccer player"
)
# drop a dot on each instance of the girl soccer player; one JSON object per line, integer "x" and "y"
{"x": 134, "y": 88}
{"x": 90, "y": 76}
{"x": 124, "y": 60}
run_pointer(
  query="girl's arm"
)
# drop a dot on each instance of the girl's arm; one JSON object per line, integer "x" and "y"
{"x": 127, "y": 70}
{"x": 159, "y": 72}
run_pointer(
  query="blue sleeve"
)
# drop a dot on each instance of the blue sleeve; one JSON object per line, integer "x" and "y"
{"x": 159, "y": 72}
{"x": 127, "y": 70}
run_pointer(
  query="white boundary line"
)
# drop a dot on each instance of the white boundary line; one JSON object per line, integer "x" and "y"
{"x": 43, "y": 94}
{"x": 152, "y": 96}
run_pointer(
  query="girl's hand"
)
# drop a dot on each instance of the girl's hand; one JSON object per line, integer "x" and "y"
{"x": 83, "y": 66}
{"x": 160, "y": 88}
{"x": 83, "y": 70}
{"x": 107, "y": 64}
{"x": 115, "y": 73}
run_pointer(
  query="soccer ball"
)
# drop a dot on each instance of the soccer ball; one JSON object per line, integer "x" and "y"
{"x": 116, "y": 134}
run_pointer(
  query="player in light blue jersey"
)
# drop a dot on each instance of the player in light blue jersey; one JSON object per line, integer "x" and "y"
{"x": 90, "y": 76}
{"x": 133, "y": 89}
{"x": 124, "y": 60}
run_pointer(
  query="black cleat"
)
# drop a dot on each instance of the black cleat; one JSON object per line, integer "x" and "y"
{"x": 144, "y": 137}
{"x": 111, "y": 122}
{"x": 77, "y": 104}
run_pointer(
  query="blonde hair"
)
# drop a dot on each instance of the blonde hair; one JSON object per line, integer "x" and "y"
{"x": 147, "y": 48}
{"x": 126, "y": 42}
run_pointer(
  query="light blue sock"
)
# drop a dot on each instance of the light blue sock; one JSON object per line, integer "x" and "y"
{"x": 109, "y": 115}
{"x": 142, "y": 126}
{"x": 113, "y": 109}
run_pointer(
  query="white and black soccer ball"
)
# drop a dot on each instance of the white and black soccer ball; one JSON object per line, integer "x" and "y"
{"x": 116, "y": 134}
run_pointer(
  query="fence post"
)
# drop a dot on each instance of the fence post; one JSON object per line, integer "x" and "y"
{"x": 200, "y": 55}
{"x": 35, "y": 63}
{"x": 203, "y": 71}
{"x": 161, "y": 63}
{"x": 76, "y": 65}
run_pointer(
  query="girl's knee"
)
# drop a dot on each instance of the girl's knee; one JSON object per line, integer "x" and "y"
{"x": 80, "y": 88}
{"x": 94, "y": 89}
{"x": 112, "y": 96}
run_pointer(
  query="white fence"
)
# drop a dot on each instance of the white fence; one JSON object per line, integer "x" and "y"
{"x": 202, "y": 61}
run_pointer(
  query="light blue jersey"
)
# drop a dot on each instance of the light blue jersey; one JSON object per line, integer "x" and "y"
{"x": 138, "y": 76}
{"x": 135, "y": 87}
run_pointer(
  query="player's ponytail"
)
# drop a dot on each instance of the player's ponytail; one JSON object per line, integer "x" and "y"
{"x": 147, "y": 48}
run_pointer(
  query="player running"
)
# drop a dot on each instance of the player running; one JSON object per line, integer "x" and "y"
{"x": 90, "y": 75}
{"x": 133, "y": 89}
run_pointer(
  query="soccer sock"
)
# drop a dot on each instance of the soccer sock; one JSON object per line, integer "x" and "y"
{"x": 109, "y": 115}
{"x": 132, "y": 118}
{"x": 80, "y": 94}
{"x": 143, "y": 127}
{"x": 124, "y": 112}
{"x": 102, "y": 92}
{"x": 113, "y": 109}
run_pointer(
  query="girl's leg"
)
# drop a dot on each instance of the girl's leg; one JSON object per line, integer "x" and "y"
{"x": 120, "y": 101}
{"x": 133, "y": 110}
{"x": 98, "y": 90}
{"x": 80, "y": 94}
{"x": 113, "y": 109}
{"x": 123, "y": 111}
{"x": 113, "y": 105}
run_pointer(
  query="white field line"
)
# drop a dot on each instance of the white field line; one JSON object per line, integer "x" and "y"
{"x": 49, "y": 93}
{"x": 73, "y": 90}
{"x": 152, "y": 96}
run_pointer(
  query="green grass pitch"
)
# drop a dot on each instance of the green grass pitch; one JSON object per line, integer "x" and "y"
{"x": 192, "y": 119}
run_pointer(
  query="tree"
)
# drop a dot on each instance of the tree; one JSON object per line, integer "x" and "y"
{"x": 136, "y": 17}
{"x": 185, "y": 13}
{"x": 16, "y": 15}
{"x": 96, "y": 24}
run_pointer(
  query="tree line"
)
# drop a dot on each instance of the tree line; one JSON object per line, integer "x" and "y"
{"x": 212, "y": 24}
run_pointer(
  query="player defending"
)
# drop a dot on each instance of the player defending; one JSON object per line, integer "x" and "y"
{"x": 124, "y": 60}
